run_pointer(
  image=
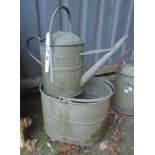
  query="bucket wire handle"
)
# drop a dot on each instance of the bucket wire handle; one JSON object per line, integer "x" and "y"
{"x": 28, "y": 48}
{"x": 121, "y": 61}
{"x": 49, "y": 50}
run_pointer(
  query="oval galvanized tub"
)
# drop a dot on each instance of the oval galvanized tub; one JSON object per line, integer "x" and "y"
{"x": 80, "y": 121}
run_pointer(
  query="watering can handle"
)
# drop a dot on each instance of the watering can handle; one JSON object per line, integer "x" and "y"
{"x": 28, "y": 49}
{"x": 53, "y": 16}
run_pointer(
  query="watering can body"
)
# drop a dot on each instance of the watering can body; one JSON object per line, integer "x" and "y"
{"x": 67, "y": 68}
{"x": 66, "y": 61}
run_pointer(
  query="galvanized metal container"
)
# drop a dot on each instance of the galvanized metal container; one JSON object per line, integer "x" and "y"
{"x": 80, "y": 120}
{"x": 68, "y": 68}
{"x": 66, "y": 61}
{"x": 123, "y": 99}
{"x": 62, "y": 60}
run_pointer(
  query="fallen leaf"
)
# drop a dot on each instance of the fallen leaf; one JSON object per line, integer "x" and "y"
{"x": 116, "y": 117}
{"x": 66, "y": 149}
{"x": 58, "y": 147}
{"x": 110, "y": 115}
{"x": 119, "y": 117}
{"x": 24, "y": 123}
{"x": 117, "y": 131}
{"x": 73, "y": 146}
{"x": 116, "y": 139}
{"x": 120, "y": 120}
{"x": 78, "y": 150}
{"x": 31, "y": 144}
{"x": 103, "y": 145}
{"x": 114, "y": 132}
{"x": 112, "y": 150}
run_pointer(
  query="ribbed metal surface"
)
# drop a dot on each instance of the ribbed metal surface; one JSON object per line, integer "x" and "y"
{"x": 100, "y": 23}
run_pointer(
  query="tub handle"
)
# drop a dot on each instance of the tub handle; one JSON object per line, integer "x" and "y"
{"x": 28, "y": 48}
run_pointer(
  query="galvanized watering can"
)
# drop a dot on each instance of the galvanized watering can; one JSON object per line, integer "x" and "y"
{"x": 123, "y": 99}
{"x": 62, "y": 60}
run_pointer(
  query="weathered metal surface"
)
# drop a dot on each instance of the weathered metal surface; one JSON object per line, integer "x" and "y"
{"x": 99, "y": 64}
{"x": 77, "y": 122}
{"x": 68, "y": 68}
{"x": 66, "y": 61}
{"x": 123, "y": 99}
{"x": 99, "y": 22}
{"x": 127, "y": 70}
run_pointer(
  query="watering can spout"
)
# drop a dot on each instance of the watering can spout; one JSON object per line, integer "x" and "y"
{"x": 94, "y": 69}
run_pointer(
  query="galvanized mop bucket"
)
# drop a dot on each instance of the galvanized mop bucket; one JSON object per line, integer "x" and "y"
{"x": 80, "y": 120}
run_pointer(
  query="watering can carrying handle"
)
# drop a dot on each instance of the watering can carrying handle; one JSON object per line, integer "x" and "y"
{"x": 28, "y": 48}
{"x": 53, "y": 16}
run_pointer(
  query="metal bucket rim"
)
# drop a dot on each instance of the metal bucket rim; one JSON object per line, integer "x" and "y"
{"x": 100, "y": 99}
{"x": 125, "y": 75}
{"x": 42, "y": 41}
{"x": 81, "y": 101}
{"x": 124, "y": 112}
